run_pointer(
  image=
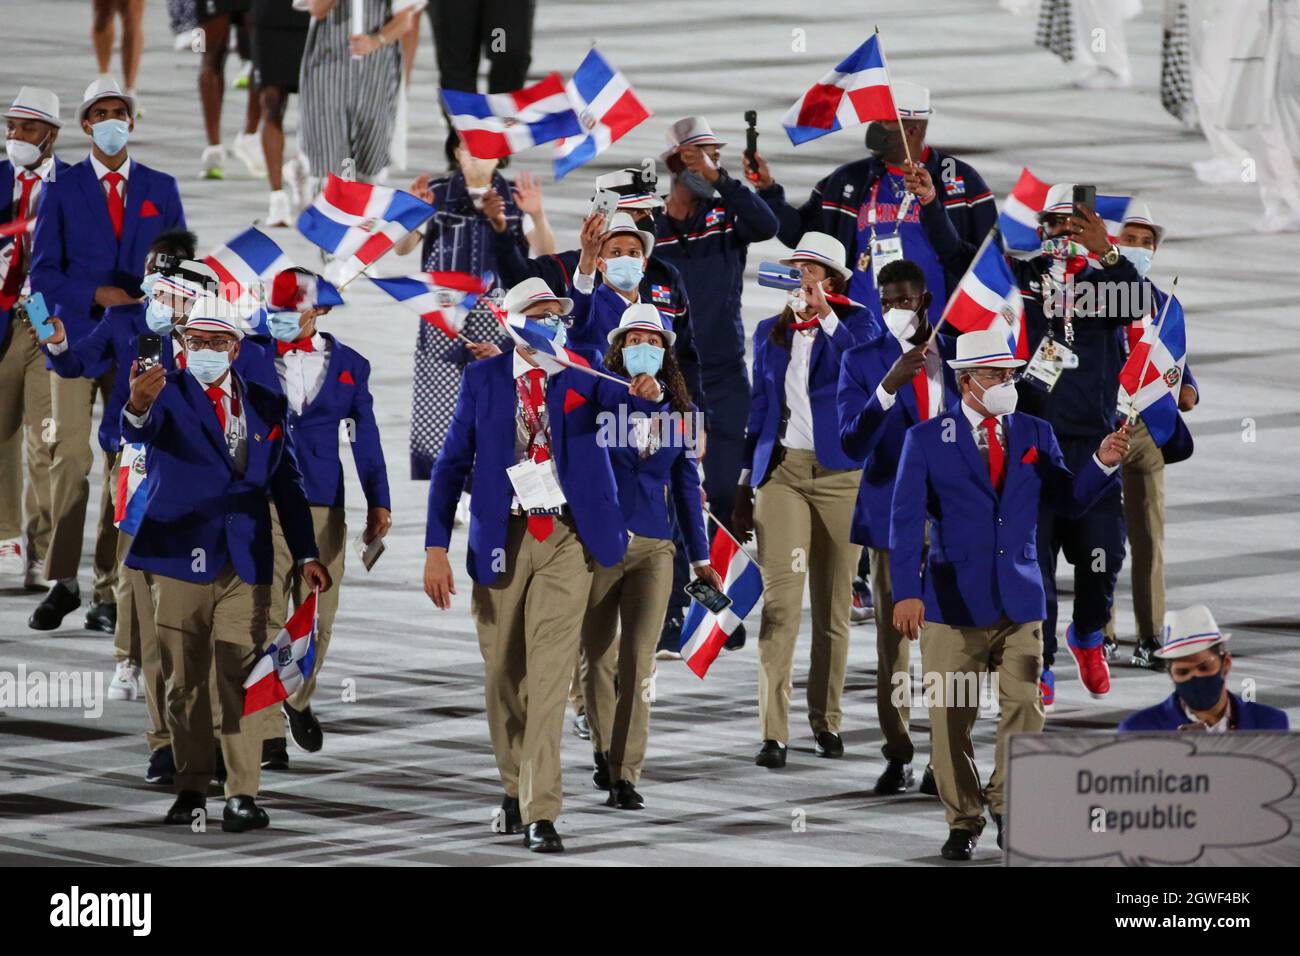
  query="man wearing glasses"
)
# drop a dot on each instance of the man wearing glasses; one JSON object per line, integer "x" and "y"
{"x": 979, "y": 474}
{"x": 219, "y": 452}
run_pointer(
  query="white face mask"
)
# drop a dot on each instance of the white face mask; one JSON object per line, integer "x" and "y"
{"x": 903, "y": 323}
{"x": 999, "y": 399}
{"x": 22, "y": 153}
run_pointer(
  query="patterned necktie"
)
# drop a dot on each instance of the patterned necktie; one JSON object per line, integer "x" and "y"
{"x": 116, "y": 204}
{"x": 997, "y": 456}
{"x": 215, "y": 395}
{"x": 14, "y": 276}
{"x": 539, "y": 526}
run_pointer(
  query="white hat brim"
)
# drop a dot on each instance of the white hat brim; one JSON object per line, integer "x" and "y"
{"x": 43, "y": 118}
{"x": 1188, "y": 648}
{"x": 617, "y": 332}
{"x": 956, "y": 365}
{"x": 87, "y": 104}
{"x": 842, "y": 270}
{"x": 647, "y": 239}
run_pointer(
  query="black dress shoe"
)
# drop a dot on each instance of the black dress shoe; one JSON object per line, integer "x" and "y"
{"x": 928, "y": 786}
{"x": 737, "y": 639}
{"x": 1144, "y": 655}
{"x": 219, "y": 768}
{"x": 162, "y": 767}
{"x": 304, "y": 728}
{"x": 897, "y": 778}
{"x": 275, "y": 755}
{"x": 102, "y": 616}
{"x": 182, "y": 811}
{"x": 511, "y": 820}
{"x": 243, "y": 814}
{"x": 997, "y": 818}
{"x": 960, "y": 845}
{"x": 829, "y": 744}
{"x": 601, "y": 775}
{"x": 625, "y": 797}
{"x": 771, "y": 755}
{"x": 540, "y": 837}
{"x": 581, "y": 728}
{"x": 57, "y": 604}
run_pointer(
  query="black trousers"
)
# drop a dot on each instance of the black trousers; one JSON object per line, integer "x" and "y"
{"x": 465, "y": 30}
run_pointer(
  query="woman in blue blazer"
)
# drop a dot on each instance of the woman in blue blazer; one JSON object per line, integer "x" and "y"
{"x": 807, "y": 487}
{"x": 653, "y": 457}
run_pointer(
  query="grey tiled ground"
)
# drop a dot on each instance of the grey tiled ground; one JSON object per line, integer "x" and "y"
{"x": 407, "y": 775}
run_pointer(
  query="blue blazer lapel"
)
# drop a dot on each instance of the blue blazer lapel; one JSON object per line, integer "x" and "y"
{"x": 137, "y": 190}
{"x": 97, "y": 204}
{"x": 333, "y": 369}
{"x": 259, "y": 429}
{"x": 970, "y": 451}
{"x": 202, "y": 406}
{"x": 1018, "y": 438}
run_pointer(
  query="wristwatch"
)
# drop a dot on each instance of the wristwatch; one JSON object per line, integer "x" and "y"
{"x": 1110, "y": 257}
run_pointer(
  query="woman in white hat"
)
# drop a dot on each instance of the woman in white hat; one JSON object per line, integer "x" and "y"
{"x": 654, "y": 461}
{"x": 807, "y": 487}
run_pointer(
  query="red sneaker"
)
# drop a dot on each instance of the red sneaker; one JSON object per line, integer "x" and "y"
{"x": 1090, "y": 654}
{"x": 1047, "y": 689}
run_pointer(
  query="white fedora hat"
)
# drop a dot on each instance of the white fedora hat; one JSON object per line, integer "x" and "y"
{"x": 691, "y": 131}
{"x": 621, "y": 223}
{"x": 630, "y": 194}
{"x": 642, "y": 316}
{"x": 1060, "y": 201}
{"x": 820, "y": 248}
{"x": 1188, "y": 632}
{"x": 912, "y": 100}
{"x": 1139, "y": 214}
{"x": 212, "y": 313}
{"x": 32, "y": 102}
{"x": 984, "y": 349}
{"x": 532, "y": 291}
{"x": 103, "y": 88}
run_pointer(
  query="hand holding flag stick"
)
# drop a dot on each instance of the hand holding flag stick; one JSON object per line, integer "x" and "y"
{"x": 1133, "y": 409}
{"x": 538, "y": 343}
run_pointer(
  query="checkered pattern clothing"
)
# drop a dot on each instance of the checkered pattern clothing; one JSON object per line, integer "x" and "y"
{"x": 1056, "y": 28}
{"x": 1175, "y": 66}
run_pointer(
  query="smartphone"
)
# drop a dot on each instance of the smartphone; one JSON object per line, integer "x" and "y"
{"x": 38, "y": 316}
{"x": 148, "y": 351}
{"x": 605, "y": 201}
{"x": 708, "y": 595}
{"x": 1085, "y": 197}
{"x": 751, "y": 140}
{"x": 773, "y": 275}
{"x": 369, "y": 553}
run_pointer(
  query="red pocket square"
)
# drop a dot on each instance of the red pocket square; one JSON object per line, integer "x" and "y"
{"x": 147, "y": 208}
{"x": 346, "y": 378}
{"x": 274, "y": 433}
{"x": 572, "y": 400}
{"x": 1031, "y": 456}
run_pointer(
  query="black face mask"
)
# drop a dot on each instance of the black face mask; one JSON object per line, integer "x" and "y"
{"x": 883, "y": 142}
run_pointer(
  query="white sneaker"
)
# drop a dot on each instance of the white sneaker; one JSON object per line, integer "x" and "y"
{"x": 280, "y": 212}
{"x": 12, "y": 561}
{"x": 245, "y": 75}
{"x": 295, "y": 174}
{"x": 213, "y": 162}
{"x": 248, "y": 147}
{"x": 126, "y": 683}
{"x": 1278, "y": 220}
{"x": 1218, "y": 172}
{"x": 34, "y": 578}
{"x": 1100, "y": 79}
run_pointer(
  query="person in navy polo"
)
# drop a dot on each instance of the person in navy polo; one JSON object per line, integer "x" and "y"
{"x": 978, "y": 474}
{"x": 545, "y": 506}
{"x": 219, "y": 455}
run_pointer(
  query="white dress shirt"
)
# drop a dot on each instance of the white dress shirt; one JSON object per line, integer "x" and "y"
{"x": 101, "y": 171}
{"x": 303, "y": 373}
{"x": 43, "y": 173}
{"x": 521, "y": 369}
{"x": 933, "y": 377}
{"x": 799, "y": 423}
{"x": 236, "y": 425}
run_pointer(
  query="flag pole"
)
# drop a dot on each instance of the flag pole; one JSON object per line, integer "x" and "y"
{"x": 500, "y": 317}
{"x": 907, "y": 151}
{"x": 1160, "y": 321}
{"x": 948, "y": 305}
{"x": 739, "y": 544}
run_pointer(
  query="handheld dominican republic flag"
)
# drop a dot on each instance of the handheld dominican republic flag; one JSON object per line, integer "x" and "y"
{"x": 1157, "y": 363}
{"x": 606, "y": 107}
{"x": 492, "y": 125}
{"x": 443, "y": 299}
{"x": 287, "y": 662}
{"x": 359, "y": 222}
{"x": 242, "y": 265}
{"x": 1019, "y": 217}
{"x": 298, "y": 289}
{"x": 16, "y": 226}
{"x": 855, "y": 92}
{"x": 132, "y": 488}
{"x": 988, "y": 294}
{"x": 533, "y": 335}
{"x": 703, "y": 631}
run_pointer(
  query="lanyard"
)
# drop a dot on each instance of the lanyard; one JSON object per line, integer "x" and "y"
{"x": 532, "y": 420}
{"x": 903, "y": 207}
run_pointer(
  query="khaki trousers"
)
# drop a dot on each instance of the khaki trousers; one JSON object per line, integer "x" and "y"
{"x": 221, "y": 625}
{"x": 953, "y": 658}
{"x": 893, "y": 657}
{"x": 331, "y": 541}
{"x": 126, "y": 637}
{"x": 575, "y": 689}
{"x": 621, "y": 660}
{"x": 25, "y": 419}
{"x": 72, "y": 401}
{"x": 528, "y": 624}
{"x": 1144, "y": 515}
{"x": 803, "y": 515}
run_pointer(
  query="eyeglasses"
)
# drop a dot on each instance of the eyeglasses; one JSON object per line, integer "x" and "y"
{"x": 212, "y": 345}
{"x": 995, "y": 376}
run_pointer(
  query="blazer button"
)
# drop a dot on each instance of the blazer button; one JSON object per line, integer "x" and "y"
{"x": 1000, "y": 551}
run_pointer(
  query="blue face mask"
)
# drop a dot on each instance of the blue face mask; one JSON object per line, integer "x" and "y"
{"x": 159, "y": 317}
{"x": 284, "y": 326}
{"x": 1140, "y": 257}
{"x": 206, "y": 365}
{"x": 1201, "y": 693}
{"x": 624, "y": 272}
{"x": 559, "y": 334}
{"x": 148, "y": 282}
{"x": 643, "y": 359}
{"x": 110, "y": 135}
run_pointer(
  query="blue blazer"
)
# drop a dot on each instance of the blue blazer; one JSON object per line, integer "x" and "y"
{"x": 597, "y": 314}
{"x": 114, "y": 341}
{"x": 983, "y": 559}
{"x": 7, "y": 215}
{"x": 767, "y": 411}
{"x": 74, "y": 250}
{"x": 481, "y": 441}
{"x": 1168, "y": 715}
{"x": 196, "y": 501}
{"x": 875, "y": 435}
{"x": 646, "y": 484}
{"x": 344, "y": 396}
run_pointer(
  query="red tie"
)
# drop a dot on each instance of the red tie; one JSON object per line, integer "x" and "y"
{"x": 302, "y": 345}
{"x": 997, "y": 457}
{"x": 14, "y": 277}
{"x": 539, "y": 526}
{"x": 921, "y": 385}
{"x": 215, "y": 394}
{"x": 116, "y": 205}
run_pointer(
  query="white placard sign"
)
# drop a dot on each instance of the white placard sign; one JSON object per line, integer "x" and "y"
{"x": 1177, "y": 799}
